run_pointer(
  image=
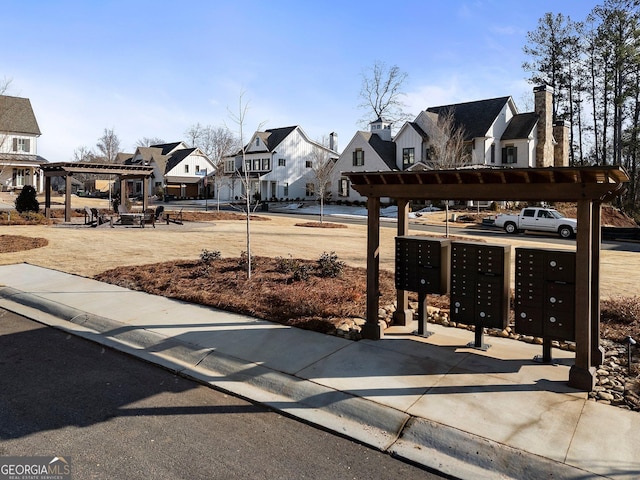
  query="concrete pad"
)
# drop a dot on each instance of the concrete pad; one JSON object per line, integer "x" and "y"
{"x": 607, "y": 442}
{"x": 377, "y": 374}
{"x": 520, "y": 415}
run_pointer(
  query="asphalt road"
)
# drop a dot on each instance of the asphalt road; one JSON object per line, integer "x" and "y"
{"x": 115, "y": 416}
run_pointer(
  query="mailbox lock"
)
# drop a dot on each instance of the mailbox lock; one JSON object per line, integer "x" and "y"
{"x": 553, "y": 300}
{"x": 552, "y": 319}
{"x": 482, "y": 314}
{"x": 553, "y": 263}
{"x": 523, "y": 315}
{"x": 422, "y": 281}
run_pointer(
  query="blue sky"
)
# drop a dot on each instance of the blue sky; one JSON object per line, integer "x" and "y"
{"x": 153, "y": 68}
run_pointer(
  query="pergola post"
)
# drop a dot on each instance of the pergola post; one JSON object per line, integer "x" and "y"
{"x": 67, "y": 198}
{"x": 582, "y": 374}
{"x": 372, "y": 329}
{"x": 47, "y": 197}
{"x": 123, "y": 195}
{"x": 145, "y": 191}
{"x": 403, "y": 315}
{"x": 597, "y": 351}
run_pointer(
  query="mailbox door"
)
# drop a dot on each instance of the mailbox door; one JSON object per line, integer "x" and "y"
{"x": 560, "y": 325}
{"x": 462, "y": 309}
{"x": 530, "y": 320}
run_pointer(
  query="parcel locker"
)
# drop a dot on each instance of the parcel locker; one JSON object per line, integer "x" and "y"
{"x": 545, "y": 293}
{"x": 422, "y": 264}
{"x": 480, "y": 284}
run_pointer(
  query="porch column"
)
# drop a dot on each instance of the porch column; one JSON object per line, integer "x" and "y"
{"x": 597, "y": 351}
{"x": 403, "y": 315}
{"x": 67, "y": 198}
{"x": 582, "y": 374}
{"x": 372, "y": 329}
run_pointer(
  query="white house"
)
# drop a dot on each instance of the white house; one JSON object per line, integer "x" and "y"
{"x": 495, "y": 134}
{"x": 19, "y": 132}
{"x": 367, "y": 151}
{"x": 279, "y": 164}
{"x": 178, "y": 170}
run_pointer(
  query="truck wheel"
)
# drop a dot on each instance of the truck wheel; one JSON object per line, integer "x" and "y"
{"x": 565, "y": 231}
{"x": 510, "y": 227}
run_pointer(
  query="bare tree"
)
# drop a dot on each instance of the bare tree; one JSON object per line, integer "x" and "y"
{"x": 4, "y": 87}
{"x": 447, "y": 148}
{"x": 218, "y": 143}
{"x": 381, "y": 94}
{"x": 109, "y": 145}
{"x": 83, "y": 154}
{"x": 322, "y": 162}
{"x": 193, "y": 134}
{"x": 148, "y": 141}
{"x": 239, "y": 119}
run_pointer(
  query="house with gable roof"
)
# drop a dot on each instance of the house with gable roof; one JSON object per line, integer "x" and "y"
{"x": 278, "y": 163}
{"x": 495, "y": 134}
{"x": 177, "y": 169}
{"x": 19, "y": 132}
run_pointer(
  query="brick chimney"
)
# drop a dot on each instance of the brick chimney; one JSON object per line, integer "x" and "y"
{"x": 543, "y": 98}
{"x": 561, "y": 148}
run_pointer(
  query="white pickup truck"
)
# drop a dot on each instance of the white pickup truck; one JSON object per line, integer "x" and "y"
{"x": 538, "y": 219}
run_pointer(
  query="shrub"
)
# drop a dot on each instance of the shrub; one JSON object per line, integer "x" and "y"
{"x": 328, "y": 265}
{"x": 27, "y": 201}
{"x": 243, "y": 261}
{"x": 301, "y": 272}
{"x": 286, "y": 265}
{"x": 209, "y": 257}
{"x": 620, "y": 310}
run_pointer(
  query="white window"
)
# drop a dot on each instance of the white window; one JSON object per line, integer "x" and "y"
{"x": 285, "y": 190}
{"x": 344, "y": 187}
{"x": 310, "y": 189}
{"x": 197, "y": 168}
{"x": 282, "y": 162}
{"x": 186, "y": 169}
{"x": 358, "y": 157}
{"x": 309, "y": 164}
{"x": 21, "y": 145}
{"x": 229, "y": 166}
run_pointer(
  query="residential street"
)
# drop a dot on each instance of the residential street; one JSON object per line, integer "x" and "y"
{"x": 117, "y": 417}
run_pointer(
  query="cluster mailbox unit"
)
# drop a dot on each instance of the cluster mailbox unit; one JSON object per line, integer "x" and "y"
{"x": 545, "y": 293}
{"x": 480, "y": 286}
{"x": 422, "y": 266}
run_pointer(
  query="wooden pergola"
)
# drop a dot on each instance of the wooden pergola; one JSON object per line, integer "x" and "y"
{"x": 67, "y": 169}
{"x": 589, "y": 187}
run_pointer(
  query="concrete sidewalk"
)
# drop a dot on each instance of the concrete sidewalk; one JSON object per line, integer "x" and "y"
{"x": 467, "y": 413}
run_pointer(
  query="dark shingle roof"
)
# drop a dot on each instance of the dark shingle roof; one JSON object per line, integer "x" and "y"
{"x": 475, "y": 117}
{"x": 177, "y": 157}
{"x": 16, "y": 116}
{"x": 276, "y": 135}
{"x": 384, "y": 148}
{"x": 520, "y": 126}
{"x": 166, "y": 147}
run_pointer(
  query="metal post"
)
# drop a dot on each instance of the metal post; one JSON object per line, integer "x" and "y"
{"x": 403, "y": 315}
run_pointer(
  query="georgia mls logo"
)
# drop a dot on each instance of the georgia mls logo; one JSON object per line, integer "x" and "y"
{"x": 35, "y": 468}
